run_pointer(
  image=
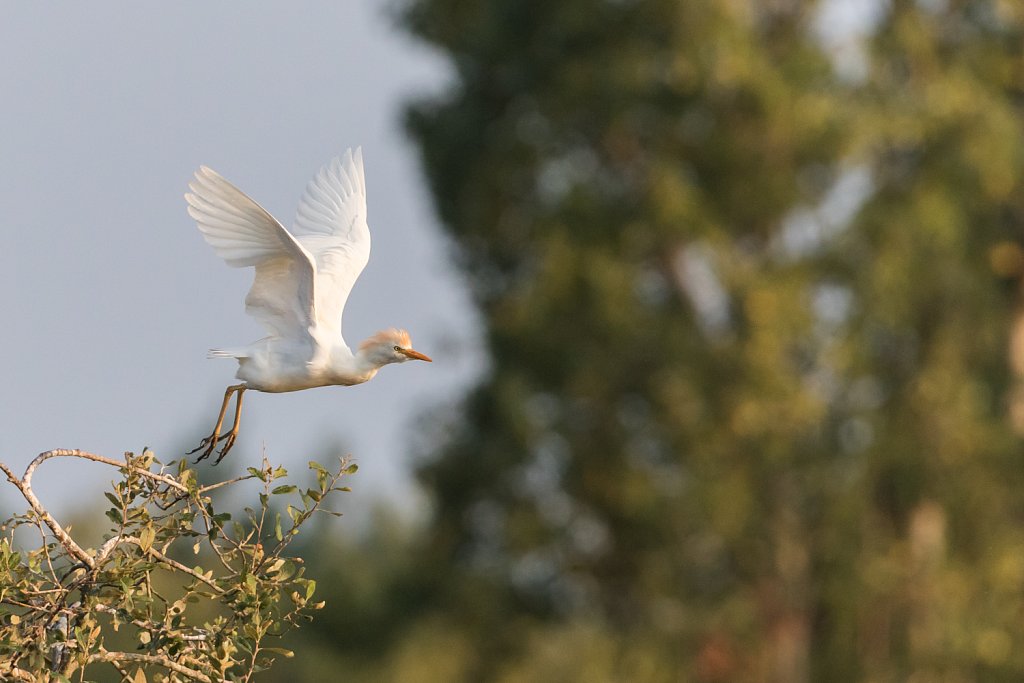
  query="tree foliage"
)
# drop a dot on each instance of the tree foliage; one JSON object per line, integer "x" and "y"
{"x": 749, "y": 309}
{"x": 177, "y": 590}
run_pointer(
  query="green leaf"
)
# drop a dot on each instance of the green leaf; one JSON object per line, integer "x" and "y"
{"x": 351, "y": 469}
{"x": 287, "y": 571}
{"x": 286, "y": 488}
{"x": 146, "y": 537}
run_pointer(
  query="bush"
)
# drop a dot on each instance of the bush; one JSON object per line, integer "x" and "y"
{"x": 177, "y": 591}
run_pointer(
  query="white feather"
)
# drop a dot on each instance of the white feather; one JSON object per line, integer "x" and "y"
{"x": 331, "y": 224}
{"x": 303, "y": 279}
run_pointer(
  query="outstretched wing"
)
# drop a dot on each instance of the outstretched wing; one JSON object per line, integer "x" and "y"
{"x": 243, "y": 233}
{"x": 331, "y": 225}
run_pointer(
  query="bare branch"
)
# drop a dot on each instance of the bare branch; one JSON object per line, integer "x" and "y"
{"x": 120, "y": 464}
{"x": 24, "y": 485}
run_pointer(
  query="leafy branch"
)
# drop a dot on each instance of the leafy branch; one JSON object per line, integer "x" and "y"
{"x": 177, "y": 590}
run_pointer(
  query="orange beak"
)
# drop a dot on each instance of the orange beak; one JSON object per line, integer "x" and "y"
{"x": 415, "y": 355}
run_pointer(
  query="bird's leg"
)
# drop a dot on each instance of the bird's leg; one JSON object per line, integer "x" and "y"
{"x": 209, "y": 443}
{"x": 233, "y": 434}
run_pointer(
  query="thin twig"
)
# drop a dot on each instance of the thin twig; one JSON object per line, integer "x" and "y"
{"x": 111, "y": 656}
{"x": 156, "y": 554}
{"x": 121, "y": 670}
{"x": 45, "y": 609}
{"x": 49, "y": 562}
{"x": 213, "y": 544}
{"x": 287, "y": 538}
{"x": 211, "y": 487}
{"x": 201, "y": 636}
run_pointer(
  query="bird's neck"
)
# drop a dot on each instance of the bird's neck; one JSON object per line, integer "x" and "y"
{"x": 341, "y": 366}
{"x": 365, "y": 364}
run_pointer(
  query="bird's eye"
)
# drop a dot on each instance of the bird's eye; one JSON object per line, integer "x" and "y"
{"x": 398, "y": 348}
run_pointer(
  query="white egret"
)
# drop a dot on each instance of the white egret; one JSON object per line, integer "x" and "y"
{"x": 303, "y": 278}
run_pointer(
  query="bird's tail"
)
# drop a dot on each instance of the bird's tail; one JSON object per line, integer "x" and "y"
{"x": 227, "y": 353}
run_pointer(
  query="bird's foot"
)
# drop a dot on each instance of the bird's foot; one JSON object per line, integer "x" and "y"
{"x": 209, "y": 444}
{"x": 230, "y": 441}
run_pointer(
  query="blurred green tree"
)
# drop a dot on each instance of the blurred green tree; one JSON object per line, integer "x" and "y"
{"x": 648, "y": 451}
{"x": 753, "y": 411}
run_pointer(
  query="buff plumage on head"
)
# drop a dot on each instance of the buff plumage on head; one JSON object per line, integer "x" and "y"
{"x": 390, "y": 336}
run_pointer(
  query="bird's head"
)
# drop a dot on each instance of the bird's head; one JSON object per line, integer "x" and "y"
{"x": 390, "y": 346}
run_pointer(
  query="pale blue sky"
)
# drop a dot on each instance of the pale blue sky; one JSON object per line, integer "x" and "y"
{"x": 111, "y": 297}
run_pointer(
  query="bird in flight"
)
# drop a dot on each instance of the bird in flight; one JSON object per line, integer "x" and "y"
{"x": 303, "y": 278}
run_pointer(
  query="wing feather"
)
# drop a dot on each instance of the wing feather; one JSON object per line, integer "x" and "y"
{"x": 331, "y": 224}
{"x": 243, "y": 233}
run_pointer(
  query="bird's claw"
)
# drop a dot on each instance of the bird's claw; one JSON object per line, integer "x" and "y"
{"x": 203, "y": 444}
{"x": 230, "y": 436}
{"x": 209, "y": 444}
